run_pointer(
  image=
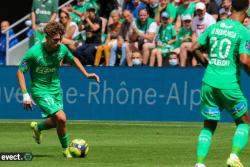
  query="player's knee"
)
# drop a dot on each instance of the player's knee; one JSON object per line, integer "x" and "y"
{"x": 211, "y": 125}
{"x": 61, "y": 120}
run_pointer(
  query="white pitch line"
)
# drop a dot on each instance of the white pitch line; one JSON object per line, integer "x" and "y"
{"x": 165, "y": 124}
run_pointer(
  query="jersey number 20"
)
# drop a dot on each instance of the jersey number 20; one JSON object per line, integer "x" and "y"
{"x": 222, "y": 47}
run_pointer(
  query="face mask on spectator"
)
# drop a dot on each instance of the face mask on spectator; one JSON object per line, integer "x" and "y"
{"x": 173, "y": 62}
{"x": 136, "y": 62}
{"x": 28, "y": 23}
{"x": 3, "y": 32}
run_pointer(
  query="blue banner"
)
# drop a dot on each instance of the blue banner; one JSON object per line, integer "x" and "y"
{"x": 138, "y": 94}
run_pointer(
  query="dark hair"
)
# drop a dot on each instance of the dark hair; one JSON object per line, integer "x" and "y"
{"x": 239, "y": 5}
{"x": 142, "y": 10}
{"x": 53, "y": 28}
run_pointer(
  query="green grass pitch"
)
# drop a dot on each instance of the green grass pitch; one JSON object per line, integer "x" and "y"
{"x": 119, "y": 144}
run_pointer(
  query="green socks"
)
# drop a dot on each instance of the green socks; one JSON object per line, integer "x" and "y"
{"x": 205, "y": 139}
{"x": 41, "y": 126}
{"x": 64, "y": 140}
{"x": 240, "y": 138}
{"x": 204, "y": 143}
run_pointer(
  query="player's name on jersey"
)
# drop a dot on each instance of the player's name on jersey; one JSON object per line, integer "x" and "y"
{"x": 218, "y": 62}
{"x": 228, "y": 33}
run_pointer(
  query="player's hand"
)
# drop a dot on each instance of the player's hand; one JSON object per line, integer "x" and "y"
{"x": 27, "y": 102}
{"x": 94, "y": 76}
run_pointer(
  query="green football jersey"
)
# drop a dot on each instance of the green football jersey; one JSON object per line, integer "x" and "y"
{"x": 170, "y": 9}
{"x": 182, "y": 34}
{"x": 226, "y": 40}
{"x": 166, "y": 33}
{"x": 43, "y": 67}
{"x": 44, "y": 10}
{"x": 183, "y": 10}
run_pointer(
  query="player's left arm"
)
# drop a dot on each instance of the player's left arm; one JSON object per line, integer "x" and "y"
{"x": 79, "y": 65}
{"x": 245, "y": 60}
{"x": 75, "y": 61}
{"x": 244, "y": 52}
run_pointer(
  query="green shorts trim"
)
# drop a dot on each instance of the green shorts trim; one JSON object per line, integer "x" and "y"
{"x": 214, "y": 100}
{"x": 49, "y": 104}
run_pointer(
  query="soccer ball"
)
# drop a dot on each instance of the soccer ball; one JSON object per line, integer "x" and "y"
{"x": 78, "y": 148}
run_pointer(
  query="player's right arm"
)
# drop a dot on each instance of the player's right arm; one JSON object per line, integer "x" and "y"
{"x": 201, "y": 41}
{"x": 23, "y": 67}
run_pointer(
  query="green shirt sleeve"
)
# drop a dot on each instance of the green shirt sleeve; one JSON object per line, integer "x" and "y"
{"x": 245, "y": 44}
{"x": 26, "y": 61}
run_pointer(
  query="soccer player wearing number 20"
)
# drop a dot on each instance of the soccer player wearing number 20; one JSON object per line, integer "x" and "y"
{"x": 229, "y": 49}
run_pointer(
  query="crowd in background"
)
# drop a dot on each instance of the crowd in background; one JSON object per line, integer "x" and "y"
{"x": 127, "y": 32}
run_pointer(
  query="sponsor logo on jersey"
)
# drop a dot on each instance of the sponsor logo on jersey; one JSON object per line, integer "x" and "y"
{"x": 45, "y": 70}
{"x": 44, "y": 12}
{"x": 223, "y": 25}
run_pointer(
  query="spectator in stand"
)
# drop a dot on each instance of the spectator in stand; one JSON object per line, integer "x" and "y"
{"x": 42, "y": 12}
{"x": 92, "y": 25}
{"x": 187, "y": 7}
{"x": 125, "y": 38}
{"x": 118, "y": 49}
{"x": 136, "y": 58}
{"x": 200, "y": 22}
{"x": 144, "y": 33}
{"x": 76, "y": 11}
{"x": 4, "y": 27}
{"x": 113, "y": 32}
{"x": 222, "y": 14}
{"x": 165, "y": 40}
{"x": 184, "y": 37}
{"x": 135, "y": 6}
{"x": 165, "y": 6}
{"x": 71, "y": 30}
{"x": 227, "y": 4}
{"x": 212, "y": 8}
